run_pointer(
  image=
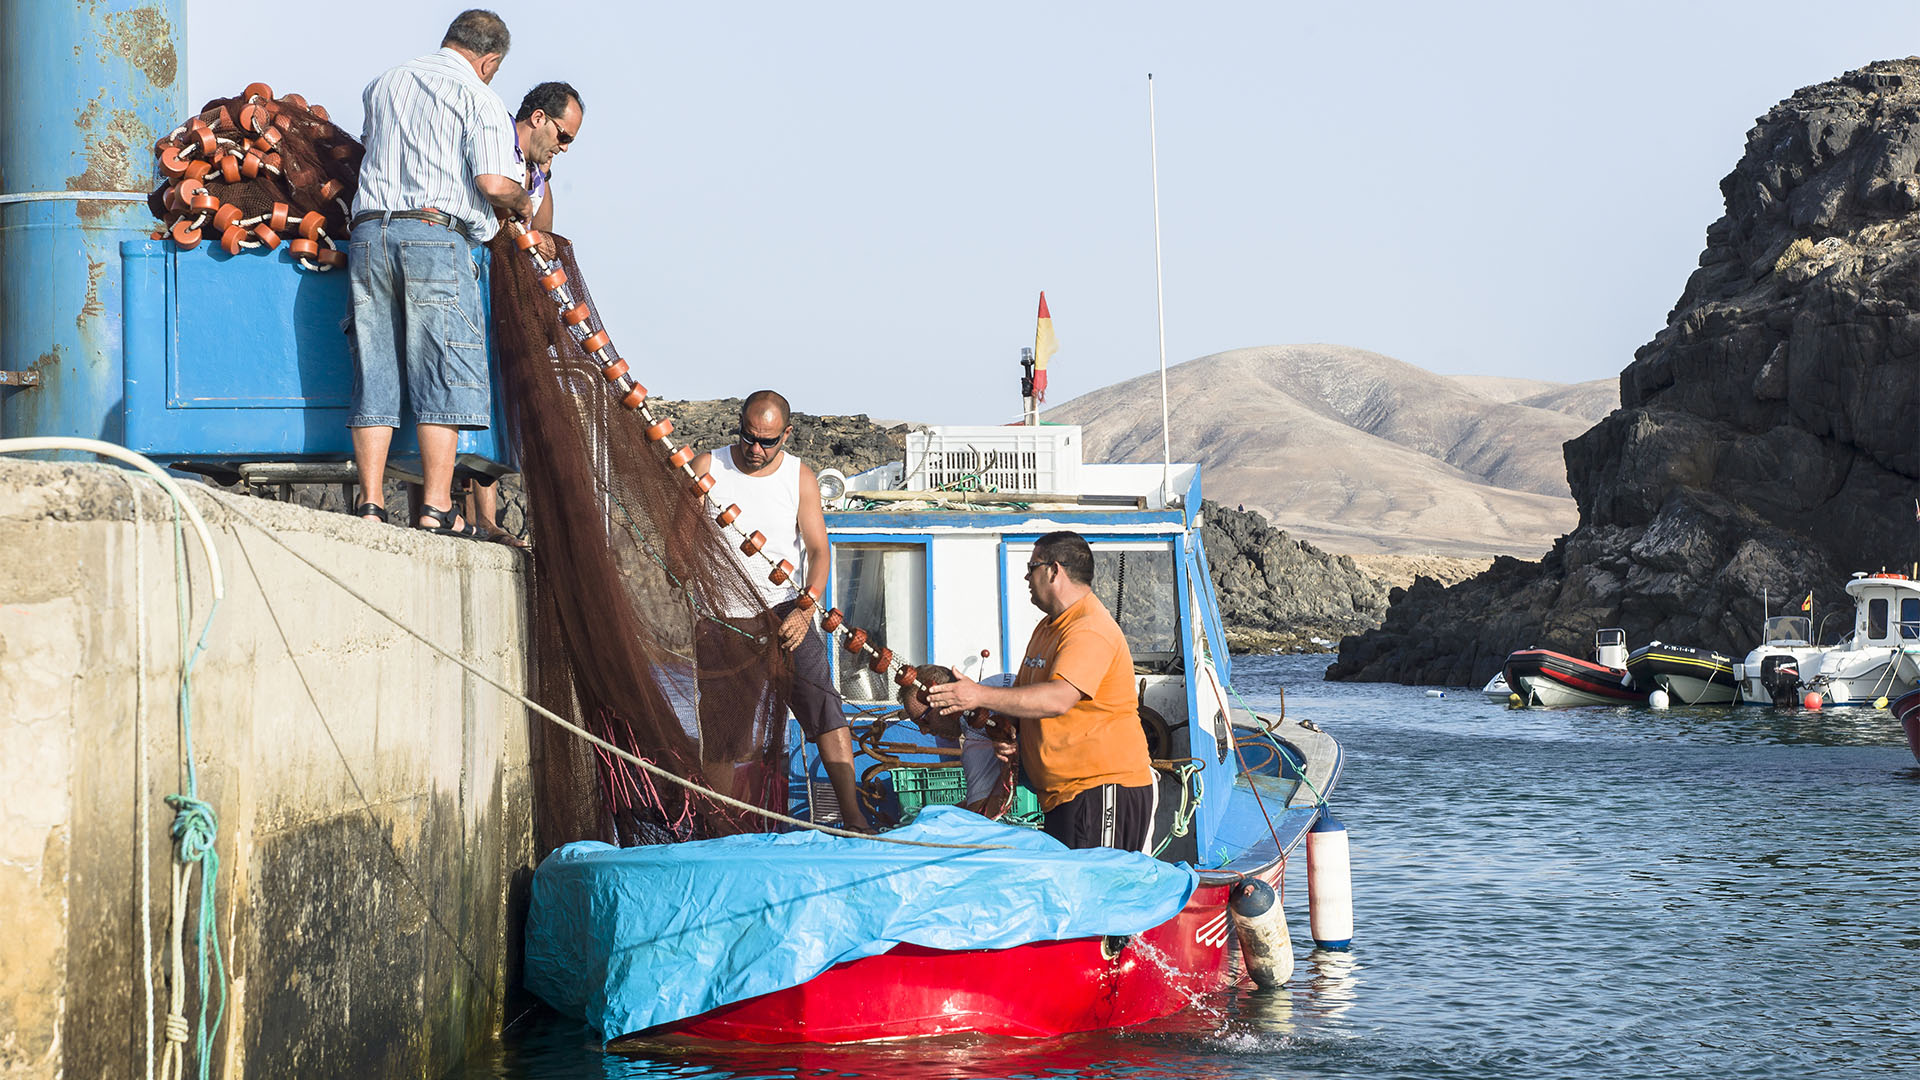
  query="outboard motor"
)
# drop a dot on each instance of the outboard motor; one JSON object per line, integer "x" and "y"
{"x": 1780, "y": 676}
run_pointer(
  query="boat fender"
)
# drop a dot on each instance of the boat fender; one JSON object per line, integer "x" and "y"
{"x": 1261, "y": 926}
{"x": 1436, "y": 693}
{"x": 1329, "y": 884}
{"x": 1657, "y": 700}
{"x": 1812, "y": 701}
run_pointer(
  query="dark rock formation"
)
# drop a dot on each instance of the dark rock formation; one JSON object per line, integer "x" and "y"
{"x": 1280, "y": 594}
{"x": 1768, "y": 439}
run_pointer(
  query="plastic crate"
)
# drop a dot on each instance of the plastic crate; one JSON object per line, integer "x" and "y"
{"x": 1043, "y": 458}
{"x": 916, "y": 788}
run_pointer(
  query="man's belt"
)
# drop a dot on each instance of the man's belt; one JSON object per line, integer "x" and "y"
{"x": 431, "y": 217}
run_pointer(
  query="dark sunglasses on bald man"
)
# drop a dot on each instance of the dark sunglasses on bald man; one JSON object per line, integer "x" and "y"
{"x": 764, "y": 444}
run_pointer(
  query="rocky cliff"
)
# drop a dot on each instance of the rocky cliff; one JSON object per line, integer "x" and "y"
{"x": 1768, "y": 439}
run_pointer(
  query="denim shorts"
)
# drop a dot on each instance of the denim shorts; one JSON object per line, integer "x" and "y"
{"x": 416, "y": 327}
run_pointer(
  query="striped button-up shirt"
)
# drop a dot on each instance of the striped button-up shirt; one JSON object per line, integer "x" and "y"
{"x": 432, "y": 126}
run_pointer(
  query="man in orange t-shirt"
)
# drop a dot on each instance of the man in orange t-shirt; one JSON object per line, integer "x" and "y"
{"x": 1080, "y": 736}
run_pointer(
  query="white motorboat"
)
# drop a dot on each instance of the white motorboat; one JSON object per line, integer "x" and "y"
{"x": 1879, "y": 659}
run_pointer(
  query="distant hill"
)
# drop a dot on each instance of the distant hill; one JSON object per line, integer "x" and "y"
{"x": 1590, "y": 401}
{"x": 1358, "y": 452}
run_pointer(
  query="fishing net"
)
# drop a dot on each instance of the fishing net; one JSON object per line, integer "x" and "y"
{"x": 628, "y": 567}
{"x": 252, "y": 171}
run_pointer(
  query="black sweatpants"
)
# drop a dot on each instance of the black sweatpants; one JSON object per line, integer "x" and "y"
{"x": 1105, "y": 816}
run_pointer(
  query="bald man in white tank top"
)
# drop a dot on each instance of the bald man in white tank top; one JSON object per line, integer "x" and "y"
{"x": 779, "y": 495}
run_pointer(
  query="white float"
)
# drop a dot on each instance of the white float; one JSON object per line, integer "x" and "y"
{"x": 1329, "y": 884}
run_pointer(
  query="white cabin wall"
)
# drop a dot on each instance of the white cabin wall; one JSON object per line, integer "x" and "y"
{"x": 966, "y": 605}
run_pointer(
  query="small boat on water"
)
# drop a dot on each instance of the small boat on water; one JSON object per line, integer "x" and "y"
{"x": 1689, "y": 675}
{"x": 1545, "y": 677}
{"x": 1876, "y": 662}
{"x": 1777, "y": 668}
{"x": 1497, "y": 688}
{"x": 804, "y": 938}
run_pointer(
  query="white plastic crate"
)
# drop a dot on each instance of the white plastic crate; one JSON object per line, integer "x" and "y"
{"x": 1044, "y": 458}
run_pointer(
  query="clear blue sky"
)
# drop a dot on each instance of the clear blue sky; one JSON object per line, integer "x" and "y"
{"x": 859, "y": 203}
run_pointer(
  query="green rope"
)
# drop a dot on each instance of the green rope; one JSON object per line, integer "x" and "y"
{"x": 1192, "y": 790}
{"x": 1299, "y": 766}
{"x": 195, "y": 827}
{"x": 194, "y": 830}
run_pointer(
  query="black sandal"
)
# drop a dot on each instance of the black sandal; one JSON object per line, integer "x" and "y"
{"x": 445, "y": 528}
{"x": 374, "y": 509}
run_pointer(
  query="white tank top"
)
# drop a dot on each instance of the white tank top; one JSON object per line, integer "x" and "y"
{"x": 769, "y": 505}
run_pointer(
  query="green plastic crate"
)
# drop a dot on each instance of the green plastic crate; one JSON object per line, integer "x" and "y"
{"x": 916, "y": 788}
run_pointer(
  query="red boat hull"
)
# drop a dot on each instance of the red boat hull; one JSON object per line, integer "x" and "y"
{"x": 1907, "y": 708}
{"x": 1551, "y": 678}
{"x": 1041, "y": 989}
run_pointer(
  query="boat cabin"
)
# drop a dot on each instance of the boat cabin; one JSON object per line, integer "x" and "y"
{"x": 929, "y": 556}
{"x": 1886, "y": 610}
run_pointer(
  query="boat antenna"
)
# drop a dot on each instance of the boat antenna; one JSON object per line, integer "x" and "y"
{"x": 1160, "y": 305}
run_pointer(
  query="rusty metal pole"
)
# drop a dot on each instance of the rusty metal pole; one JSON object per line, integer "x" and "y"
{"x": 89, "y": 87}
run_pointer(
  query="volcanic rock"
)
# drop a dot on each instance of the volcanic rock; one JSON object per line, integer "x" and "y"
{"x": 1281, "y": 594}
{"x": 1766, "y": 441}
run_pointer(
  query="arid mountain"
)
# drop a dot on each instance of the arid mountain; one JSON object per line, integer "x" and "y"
{"x": 1354, "y": 451}
{"x": 1590, "y": 401}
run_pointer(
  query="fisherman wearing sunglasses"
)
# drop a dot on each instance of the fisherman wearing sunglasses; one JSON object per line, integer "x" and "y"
{"x": 779, "y": 496}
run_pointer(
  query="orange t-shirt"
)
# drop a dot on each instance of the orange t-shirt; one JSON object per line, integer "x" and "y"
{"x": 1099, "y": 740}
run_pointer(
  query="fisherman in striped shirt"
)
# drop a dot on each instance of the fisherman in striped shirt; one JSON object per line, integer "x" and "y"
{"x": 440, "y": 159}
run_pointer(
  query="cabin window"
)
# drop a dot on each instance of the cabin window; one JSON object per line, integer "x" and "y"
{"x": 1877, "y": 619}
{"x": 1137, "y": 584}
{"x": 1910, "y": 617}
{"x": 882, "y": 588}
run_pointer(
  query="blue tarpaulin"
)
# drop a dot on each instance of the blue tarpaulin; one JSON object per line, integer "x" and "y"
{"x": 629, "y": 938}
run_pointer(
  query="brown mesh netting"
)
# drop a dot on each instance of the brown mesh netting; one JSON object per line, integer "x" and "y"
{"x": 628, "y": 565}
{"x": 252, "y": 171}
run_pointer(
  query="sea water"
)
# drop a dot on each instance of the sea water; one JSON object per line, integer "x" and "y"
{"x": 1604, "y": 892}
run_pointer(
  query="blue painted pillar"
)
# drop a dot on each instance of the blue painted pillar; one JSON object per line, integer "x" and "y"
{"x": 88, "y": 88}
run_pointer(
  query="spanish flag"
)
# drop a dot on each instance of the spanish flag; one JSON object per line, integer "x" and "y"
{"x": 1044, "y": 346}
{"x": 1807, "y": 604}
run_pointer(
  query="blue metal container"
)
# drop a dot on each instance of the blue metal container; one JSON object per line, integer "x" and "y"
{"x": 243, "y": 358}
{"x": 88, "y": 87}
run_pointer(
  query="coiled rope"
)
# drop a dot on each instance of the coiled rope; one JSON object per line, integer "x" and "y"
{"x": 195, "y": 827}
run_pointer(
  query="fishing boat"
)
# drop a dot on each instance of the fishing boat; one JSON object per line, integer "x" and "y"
{"x": 1027, "y": 940}
{"x": 1878, "y": 659}
{"x": 1689, "y": 675}
{"x": 1555, "y": 680}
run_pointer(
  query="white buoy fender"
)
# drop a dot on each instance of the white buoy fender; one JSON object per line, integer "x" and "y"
{"x": 1657, "y": 700}
{"x": 1261, "y": 926}
{"x": 1329, "y": 884}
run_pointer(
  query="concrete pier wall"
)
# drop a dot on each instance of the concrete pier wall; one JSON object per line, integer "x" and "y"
{"x": 373, "y": 798}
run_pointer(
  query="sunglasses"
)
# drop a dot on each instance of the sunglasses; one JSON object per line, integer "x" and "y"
{"x": 764, "y": 444}
{"x": 559, "y": 132}
{"x": 1032, "y": 566}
